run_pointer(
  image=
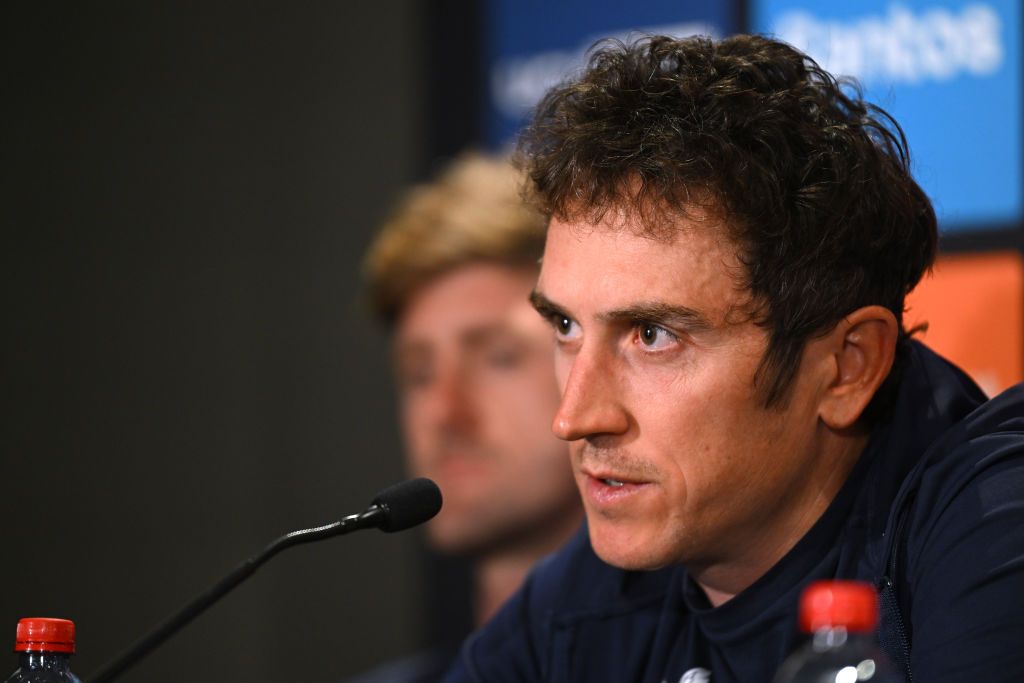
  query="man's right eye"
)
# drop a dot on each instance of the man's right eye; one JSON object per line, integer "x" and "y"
{"x": 566, "y": 329}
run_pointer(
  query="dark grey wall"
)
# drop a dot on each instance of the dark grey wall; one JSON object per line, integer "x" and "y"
{"x": 187, "y": 189}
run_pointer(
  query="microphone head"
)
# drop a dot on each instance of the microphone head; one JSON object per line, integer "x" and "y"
{"x": 407, "y": 504}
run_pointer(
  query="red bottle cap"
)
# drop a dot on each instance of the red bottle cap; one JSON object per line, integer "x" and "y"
{"x": 39, "y": 634}
{"x": 828, "y": 604}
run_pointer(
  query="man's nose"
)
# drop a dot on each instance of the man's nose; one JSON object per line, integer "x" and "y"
{"x": 591, "y": 403}
{"x": 451, "y": 399}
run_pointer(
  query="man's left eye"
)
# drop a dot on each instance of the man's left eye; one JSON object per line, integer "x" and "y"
{"x": 654, "y": 336}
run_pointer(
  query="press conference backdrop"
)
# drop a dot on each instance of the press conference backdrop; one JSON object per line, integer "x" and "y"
{"x": 532, "y": 45}
{"x": 949, "y": 71}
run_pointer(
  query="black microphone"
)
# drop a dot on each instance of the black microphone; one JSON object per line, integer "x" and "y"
{"x": 407, "y": 504}
{"x": 396, "y": 508}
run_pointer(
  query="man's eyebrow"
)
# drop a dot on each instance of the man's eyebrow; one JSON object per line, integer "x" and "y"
{"x": 545, "y": 306}
{"x": 649, "y": 311}
{"x": 660, "y": 312}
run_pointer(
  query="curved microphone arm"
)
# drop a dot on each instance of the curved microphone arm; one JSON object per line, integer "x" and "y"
{"x": 399, "y": 507}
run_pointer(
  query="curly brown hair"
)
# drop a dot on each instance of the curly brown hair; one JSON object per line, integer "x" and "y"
{"x": 812, "y": 183}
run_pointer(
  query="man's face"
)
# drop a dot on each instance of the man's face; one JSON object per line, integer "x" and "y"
{"x": 673, "y": 453}
{"x": 477, "y": 393}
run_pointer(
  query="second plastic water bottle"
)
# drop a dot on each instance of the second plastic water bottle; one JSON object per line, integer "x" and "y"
{"x": 841, "y": 617}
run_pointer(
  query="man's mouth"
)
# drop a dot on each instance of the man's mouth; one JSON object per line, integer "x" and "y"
{"x": 618, "y": 482}
{"x": 604, "y": 489}
{"x": 614, "y": 478}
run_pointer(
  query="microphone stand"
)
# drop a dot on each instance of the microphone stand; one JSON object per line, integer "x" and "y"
{"x": 373, "y": 516}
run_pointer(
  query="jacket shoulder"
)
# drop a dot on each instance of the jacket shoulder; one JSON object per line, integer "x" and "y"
{"x": 965, "y": 546}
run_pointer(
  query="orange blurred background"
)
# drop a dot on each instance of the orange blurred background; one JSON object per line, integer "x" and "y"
{"x": 973, "y": 305}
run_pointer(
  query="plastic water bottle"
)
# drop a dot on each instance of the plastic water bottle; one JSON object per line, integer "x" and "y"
{"x": 841, "y": 617}
{"x": 44, "y": 648}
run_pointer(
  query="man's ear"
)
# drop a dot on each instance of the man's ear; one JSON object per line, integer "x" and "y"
{"x": 862, "y": 347}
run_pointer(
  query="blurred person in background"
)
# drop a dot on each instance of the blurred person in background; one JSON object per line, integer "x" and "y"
{"x": 450, "y": 275}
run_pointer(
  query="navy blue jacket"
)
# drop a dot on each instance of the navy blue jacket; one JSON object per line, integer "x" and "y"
{"x": 932, "y": 514}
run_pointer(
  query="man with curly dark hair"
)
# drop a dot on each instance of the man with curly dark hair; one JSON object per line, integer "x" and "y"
{"x": 732, "y": 234}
